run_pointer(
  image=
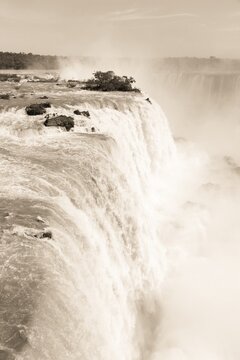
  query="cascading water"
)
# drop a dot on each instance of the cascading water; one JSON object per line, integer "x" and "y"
{"x": 199, "y": 105}
{"x": 81, "y": 262}
{"x": 119, "y": 242}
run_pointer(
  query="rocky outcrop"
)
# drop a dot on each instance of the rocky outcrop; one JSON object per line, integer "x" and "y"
{"x": 61, "y": 120}
{"x": 35, "y": 109}
{"x": 4, "y": 96}
{"x": 77, "y": 112}
{"x": 43, "y": 97}
{"x": 46, "y": 235}
{"x": 46, "y": 105}
{"x": 83, "y": 113}
{"x": 71, "y": 85}
{"x": 148, "y": 100}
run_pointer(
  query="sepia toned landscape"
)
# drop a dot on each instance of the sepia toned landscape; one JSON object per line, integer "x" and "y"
{"x": 119, "y": 180}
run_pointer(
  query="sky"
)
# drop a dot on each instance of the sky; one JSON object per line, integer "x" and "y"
{"x": 122, "y": 28}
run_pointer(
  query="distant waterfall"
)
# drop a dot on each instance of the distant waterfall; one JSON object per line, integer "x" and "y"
{"x": 214, "y": 88}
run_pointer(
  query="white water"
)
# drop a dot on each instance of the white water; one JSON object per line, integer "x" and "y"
{"x": 143, "y": 263}
{"x": 92, "y": 290}
{"x": 200, "y": 224}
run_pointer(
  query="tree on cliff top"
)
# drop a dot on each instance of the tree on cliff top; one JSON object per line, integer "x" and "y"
{"x": 109, "y": 81}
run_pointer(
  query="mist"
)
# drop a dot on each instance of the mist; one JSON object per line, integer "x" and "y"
{"x": 144, "y": 247}
{"x": 120, "y": 231}
{"x": 200, "y": 312}
{"x": 198, "y": 215}
{"x": 199, "y": 202}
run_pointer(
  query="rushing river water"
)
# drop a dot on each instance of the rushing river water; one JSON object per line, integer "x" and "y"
{"x": 119, "y": 243}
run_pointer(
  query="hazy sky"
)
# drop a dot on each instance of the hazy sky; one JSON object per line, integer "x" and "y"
{"x": 145, "y": 28}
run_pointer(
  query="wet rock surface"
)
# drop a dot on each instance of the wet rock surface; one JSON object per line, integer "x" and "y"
{"x": 60, "y": 121}
{"x": 83, "y": 113}
{"x": 44, "y": 235}
{"x": 45, "y": 105}
{"x": 4, "y": 96}
{"x": 35, "y": 109}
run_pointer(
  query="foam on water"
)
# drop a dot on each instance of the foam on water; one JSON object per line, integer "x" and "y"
{"x": 118, "y": 243}
{"x": 91, "y": 288}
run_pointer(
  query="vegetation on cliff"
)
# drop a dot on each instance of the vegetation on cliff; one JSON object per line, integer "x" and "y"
{"x": 109, "y": 81}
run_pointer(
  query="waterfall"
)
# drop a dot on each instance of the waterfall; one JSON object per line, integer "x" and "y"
{"x": 81, "y": 263}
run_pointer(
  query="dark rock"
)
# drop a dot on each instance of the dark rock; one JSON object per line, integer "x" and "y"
{"x": 46, "y": 105}
{"x": 77, "y": 112}
{"x": 93, "y": 129}
{"x": 4, "y": 96}
{"x": 71, "y": 85}
{"x": 148, "y": 100}
{"x": 43, "y": 97}
{"x": 61, "y": 120}
{"x": 46, "y": 234}
{"x": 48, "y": 116}
{"x": 10, "y": 77}
{"x": 35, "y": 109}
{"x": 83, "y": 113}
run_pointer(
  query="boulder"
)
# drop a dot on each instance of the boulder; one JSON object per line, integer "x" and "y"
{"x": 43, "y": 97}
{"x": 71, "y": 85}
{"x": 35, "y": 109}
{"x": 83, "y": 113}
{"x": 61, "y": 120}
{"x": 46, "y": 234}
{"x": 77, "y": 112}
{"x": 4, "y": 96}
{"x": 46, "y": 105}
